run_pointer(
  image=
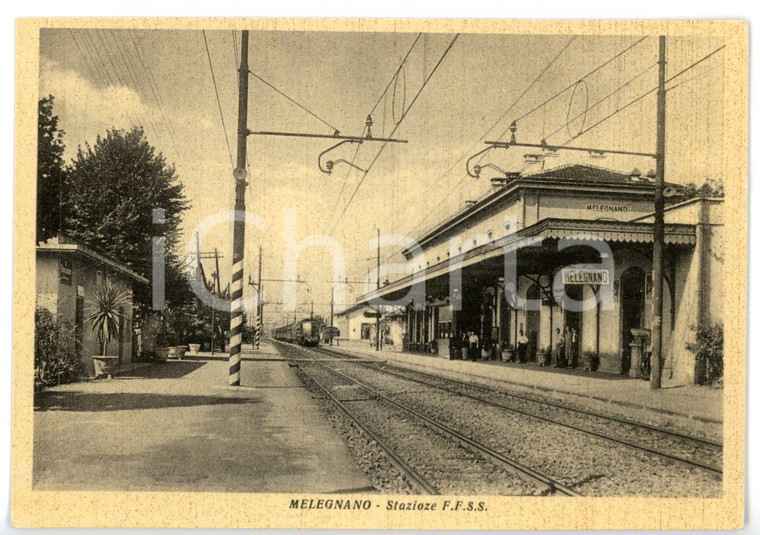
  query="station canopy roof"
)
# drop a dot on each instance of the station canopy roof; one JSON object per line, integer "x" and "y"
{"x": 529, "y": 242}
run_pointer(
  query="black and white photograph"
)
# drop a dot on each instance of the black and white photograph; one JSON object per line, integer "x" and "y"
{"x": 384, "y": 271}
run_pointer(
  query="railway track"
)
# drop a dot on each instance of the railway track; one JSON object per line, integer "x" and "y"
{"x": 417, "y": 479}
{"x": 511, "y": 465}
{"x": 674, "y": 447}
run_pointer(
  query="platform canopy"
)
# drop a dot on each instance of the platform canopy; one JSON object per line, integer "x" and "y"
{"x": 535, "y": 246}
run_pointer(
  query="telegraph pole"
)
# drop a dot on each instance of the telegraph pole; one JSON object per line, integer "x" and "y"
{"x": 238, "y": 237}
{"x": 658, "y": 228}
{"x": 377, "y": 320}
{"x": 259, "y": 309}
{"x": 332, "y": 310}
{"x": 216, "y": 291}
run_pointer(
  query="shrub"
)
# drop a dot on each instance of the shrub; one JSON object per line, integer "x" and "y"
{"x": 708, "y": 350}
{"x": 55, "y": 351}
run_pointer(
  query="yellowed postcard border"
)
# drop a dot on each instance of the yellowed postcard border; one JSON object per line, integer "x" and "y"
{"x": 32, "y": 508}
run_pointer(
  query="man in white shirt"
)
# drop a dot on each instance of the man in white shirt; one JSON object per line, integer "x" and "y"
{"x": 522, "y": 347}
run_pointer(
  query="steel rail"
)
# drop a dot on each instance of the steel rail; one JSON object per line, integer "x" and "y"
{"x": 618, "y": 419}
{"x": 632, "y": 445}
{"x": 412, "y": 474}
{"x": 512, "y": 465}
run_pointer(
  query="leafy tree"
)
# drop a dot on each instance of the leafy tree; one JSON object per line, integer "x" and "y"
{"x": 111, "y": 190}
{"x": 711, "y": 187}
{"x": 50, "y": 170}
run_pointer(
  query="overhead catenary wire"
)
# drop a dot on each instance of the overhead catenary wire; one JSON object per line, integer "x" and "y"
{"x": 501, "y": 118}
{"x": 482, "y": 137}
{"x": 396, "y": 127}
{"x": 623, "y": 107}
{"x": 642, "y": 96}
{"x": 304, "y": 108}
{"x": 377, "y": 103}
{"x": 584, "y": 77}
{"x": 609, "y": 95}
{"x": 711, "y": 69}
{"x": 218, "y": 102}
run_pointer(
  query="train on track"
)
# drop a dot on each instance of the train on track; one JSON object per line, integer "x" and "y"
{"x": 305, "y": 332}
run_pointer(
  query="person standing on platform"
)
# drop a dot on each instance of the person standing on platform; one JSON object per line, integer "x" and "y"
{"x": 465, "y": 343}
{"x": 522, "y": 348}
{"x": 474, "y": 341}
{"x": 571, "y": 344}
{"x": 559, "y": 349}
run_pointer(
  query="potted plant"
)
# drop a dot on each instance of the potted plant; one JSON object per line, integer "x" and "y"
{"x": 106, "y": 311}
{"x": 508, "y": 353}
{"x": 164, "y": 343}
{"x": 544, "y": 356}
{"x": 590, "y": 361}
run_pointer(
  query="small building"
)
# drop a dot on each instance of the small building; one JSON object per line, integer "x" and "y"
{"x": 354, "y": 325}
{"x": 67, "y": 275}
{"x": 494, "y": 268}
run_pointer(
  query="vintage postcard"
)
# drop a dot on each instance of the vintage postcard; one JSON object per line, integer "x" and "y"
{"x": 314, "y": 273}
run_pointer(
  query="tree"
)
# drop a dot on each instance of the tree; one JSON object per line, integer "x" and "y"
{"x": 50, "y": 170}
{"x": 108, "y": 303}
{"x": 111, "y": 190}
{"x": 711, "y": 187}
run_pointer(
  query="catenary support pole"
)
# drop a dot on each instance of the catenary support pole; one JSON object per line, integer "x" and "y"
{"x": 216, "y": 291}
{"x": 658, "y": 229}
{"x": 377, "y": 320}
{"x": 238, "y": 237}
{"x": 332, "y": 310}
{"x": 259, "y": 308}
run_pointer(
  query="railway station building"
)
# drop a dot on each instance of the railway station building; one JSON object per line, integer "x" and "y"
{"x": 564, "y": 250}
{"x": 68, "y": 274}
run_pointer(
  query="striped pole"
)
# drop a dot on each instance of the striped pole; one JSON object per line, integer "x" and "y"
{"x": 259, "y": 327}
{"x": 238, "y": 237}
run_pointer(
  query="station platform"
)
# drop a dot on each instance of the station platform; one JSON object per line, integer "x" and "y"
{"x": 178, "y": 426}
{"x": 693, "y": 408}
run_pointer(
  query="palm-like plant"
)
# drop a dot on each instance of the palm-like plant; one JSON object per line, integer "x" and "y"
{"x": 106, "y": 312}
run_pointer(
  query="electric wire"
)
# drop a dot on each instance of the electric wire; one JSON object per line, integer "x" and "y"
{"x": 304, "y": 108}
{"x": 151, "y": 79}
{"x": 403, "y": 116}
{"x": 468, "y": 151}
{"x": 695, "y": 76}
{"x": 584, "y": 77}
{"x": 218, "y": 102}
{"x": 131, "y": 72}
{"x": 601, "y": 100}
{"x": 641, "y": 97}
{"x": 395, "y": 74}
{"x": 380, "y": 98}
{"x": 501, "y": 117}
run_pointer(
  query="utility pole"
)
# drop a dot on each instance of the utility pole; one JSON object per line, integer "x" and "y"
{"x": 658, "y": 228}
{"x": 259, "y": 309}
{"x": 377, "y": 320}
{"x": 332, "y": 310}
{"x": 216, "y": 291}
{"x": 312, "y": 308}
{"x": 238, "y": 236}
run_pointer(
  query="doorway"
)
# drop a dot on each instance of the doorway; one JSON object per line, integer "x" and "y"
{"x": 532, "y": 322}
{"x": 632, "y": 292}
{"x": 79, "y": 325}
{"x": 574, "y": 321}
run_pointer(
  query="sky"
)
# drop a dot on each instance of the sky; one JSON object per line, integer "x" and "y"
{"x": 162, "y": 80}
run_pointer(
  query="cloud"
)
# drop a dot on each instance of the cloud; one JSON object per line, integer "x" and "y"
{"x": 87, "y": 109}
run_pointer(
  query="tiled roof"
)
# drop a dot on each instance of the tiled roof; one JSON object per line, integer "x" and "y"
{"x": 587, "y": 173}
